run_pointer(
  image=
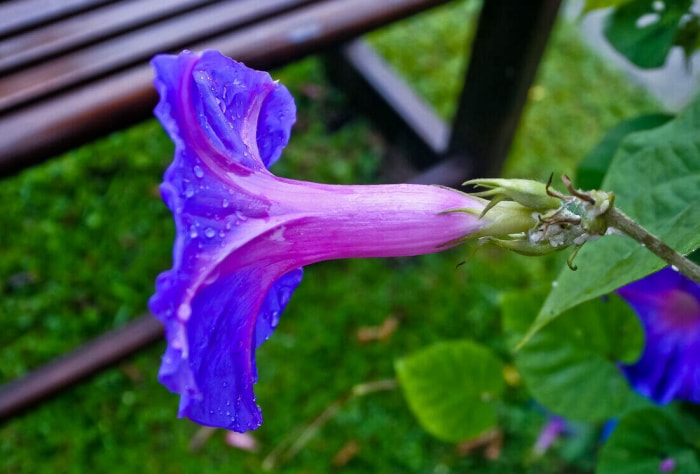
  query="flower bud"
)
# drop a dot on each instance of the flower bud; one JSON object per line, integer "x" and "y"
{"x": 531, "y": 194}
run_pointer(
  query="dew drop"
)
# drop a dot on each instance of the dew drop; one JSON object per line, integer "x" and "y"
{"x": 198, "y": 171}
{"x": 209, "y": 232}
{"x": 224, "y": 203}
{"x": 183, "y": 312}
{"x": 222, "y": 104}
{"x": 241, "y": 217}
{"x": 193, "y": 232}
{"x": 212, "y": 277}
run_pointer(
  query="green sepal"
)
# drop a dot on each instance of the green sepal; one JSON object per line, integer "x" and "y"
{"x": 531, "y": 194}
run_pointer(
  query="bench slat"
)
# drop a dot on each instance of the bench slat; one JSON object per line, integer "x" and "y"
{"x": 93, "y": 26}
{"x": 71, "y": 70}
{"x": 64, "y": 120}
{"x": 24, "y": 14}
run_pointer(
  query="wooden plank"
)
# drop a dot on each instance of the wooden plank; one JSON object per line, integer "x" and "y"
{"x": 60, "y": 123}
{"x": 86, "y": 360}
{"x": 313, "y": 29}
{"x": 52, "y": 76}
{"x": 56, "y": 38}
{"x": 24, "y": 14}
{"x": 63, "y": 121}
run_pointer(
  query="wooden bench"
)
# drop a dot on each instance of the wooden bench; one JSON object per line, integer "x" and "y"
{"x": 74, "y": 70}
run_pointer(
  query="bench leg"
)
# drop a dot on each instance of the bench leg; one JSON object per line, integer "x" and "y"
{"x": 507, "y": 49}
{"x": 404, "y": 118}
{"x": 500, "y": 73}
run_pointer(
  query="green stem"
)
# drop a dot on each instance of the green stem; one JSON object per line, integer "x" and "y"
{"x": 618, "y": 220}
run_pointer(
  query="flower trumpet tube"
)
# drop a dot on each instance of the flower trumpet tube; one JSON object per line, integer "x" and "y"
{"x": 243, "y": 234}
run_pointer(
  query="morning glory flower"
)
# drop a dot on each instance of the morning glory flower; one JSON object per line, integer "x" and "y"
{"x": 668, "y": 305}
{"x": 553, "y": 429}
{"x": 243, "y": 234}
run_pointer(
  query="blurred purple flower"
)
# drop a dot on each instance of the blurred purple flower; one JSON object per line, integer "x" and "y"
{"x": 668, "y": 305}
{"x": 243, "y": 234}
{"x": 555, "y": 427}
{"x": 667, "y": 465}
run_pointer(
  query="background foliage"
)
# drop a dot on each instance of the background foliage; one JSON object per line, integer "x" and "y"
{"x": 86, "y": 233}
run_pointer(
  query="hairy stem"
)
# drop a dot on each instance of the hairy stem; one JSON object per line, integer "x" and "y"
{"x": 618, "y": 220}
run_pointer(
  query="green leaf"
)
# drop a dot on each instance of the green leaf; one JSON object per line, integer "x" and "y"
{"x": 593, "y": 167}
{"x": 656, "y": 179}
{"x": 451, "y": 388}
{"x": 644, "y": 31}
{"x": 642, "y": 440}
{"x": 518, "y": 310}
{"x": 598, "y": 4}
{"x": 570, "y": 366}
{"x": 688, "y": 36}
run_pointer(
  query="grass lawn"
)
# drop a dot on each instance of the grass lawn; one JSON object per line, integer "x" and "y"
{"x": 85, "y": 234}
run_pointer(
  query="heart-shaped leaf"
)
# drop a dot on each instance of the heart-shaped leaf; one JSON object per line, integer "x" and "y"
{"x": 649, "y": 440}
{"x": 452, "y": 388}
{"x": 571, "y": 366}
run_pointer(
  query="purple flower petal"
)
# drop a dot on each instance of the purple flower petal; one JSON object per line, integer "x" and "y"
{"x": 667, "y": 465}
{"x": 668, "y": 305}
{"x": 211, "y": 107}
{"x": 554, "y": 428}
{"x": 243, "y": 234}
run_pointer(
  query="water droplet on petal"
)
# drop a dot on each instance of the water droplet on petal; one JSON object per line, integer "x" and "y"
{"x": 184, "y": 311}
{"x": 275, "y": 318}
{"x": 198, "y": 171}
{"x": 209, "y": 232}
{"x": 222, "y": 104}
{"x": 212, "y": 277}
{"x": 193, "y": 232}
{"x": 224, "y": 203}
